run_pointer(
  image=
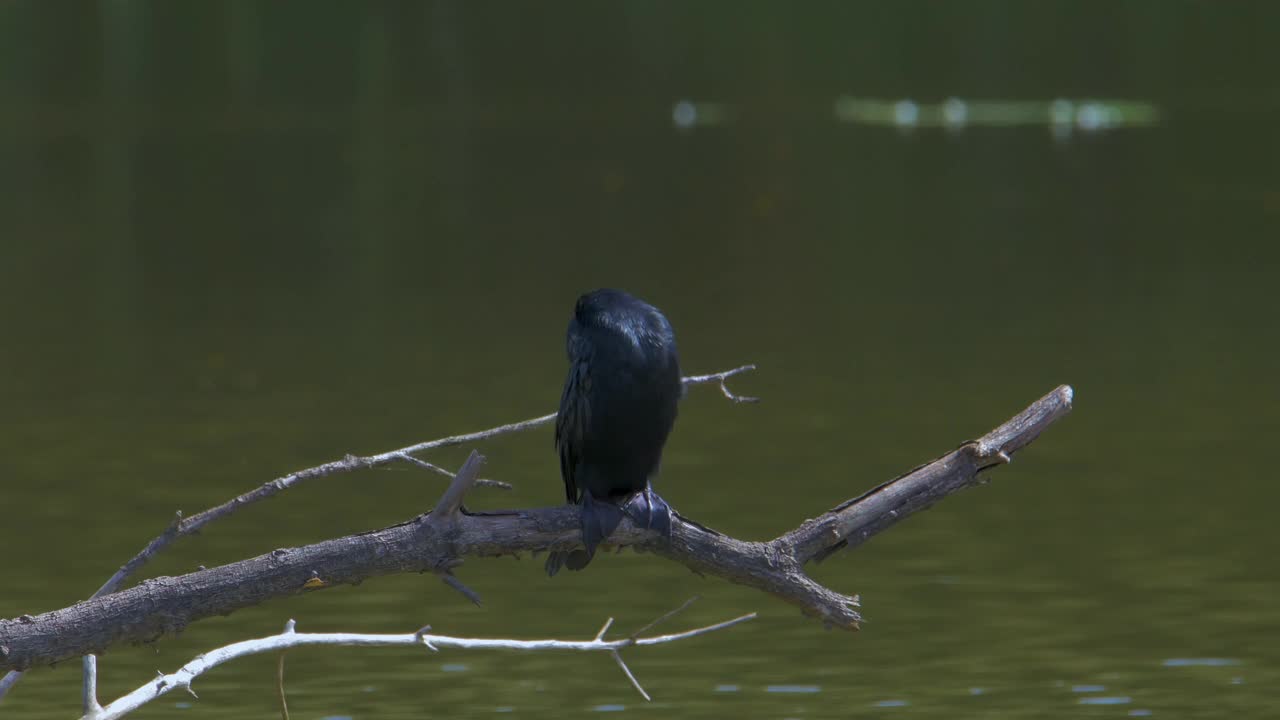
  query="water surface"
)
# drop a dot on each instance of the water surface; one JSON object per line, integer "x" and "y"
{"x": 245, "y": 241}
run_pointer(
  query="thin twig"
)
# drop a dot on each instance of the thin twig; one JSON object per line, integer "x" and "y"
{"x": 284, "y": 704}
{"x": 634, "y": 682}
{"x": 604, "y": 629}
{"x": 720, "y": 379}
{"x": 663, "y": 618}
{"x": 674, "y": 637}
{"x": 452, "y": 581}
{"x": 482, "y": 482}
{"x": 289, "y": 628}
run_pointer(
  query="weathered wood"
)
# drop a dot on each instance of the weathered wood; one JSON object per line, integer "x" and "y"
{"x": 167, "y": 604}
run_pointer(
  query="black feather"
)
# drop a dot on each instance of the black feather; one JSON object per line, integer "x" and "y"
{"x": 616, "y": 410}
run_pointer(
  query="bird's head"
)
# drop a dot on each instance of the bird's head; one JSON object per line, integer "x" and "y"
{"x": 615, "y": 311}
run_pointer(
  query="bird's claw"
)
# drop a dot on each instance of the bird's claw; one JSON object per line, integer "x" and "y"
{"x": 648, "y": 510}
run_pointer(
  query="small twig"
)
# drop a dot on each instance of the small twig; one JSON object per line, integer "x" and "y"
{"x": 482, "y": 482}
{"x": 89, "y": 685}
{"x": 666, "y": 617}
{"x": 289, "y": 629}
{"x": 604, "y": 629}
{"x": 673, "y": 637}
{"x": 720, "y": 378}
{"x": 627, "y": 671}
{"x": 284, "y": 704}
{"x": 421, "y": 635}
{"x": 452, "y": 581}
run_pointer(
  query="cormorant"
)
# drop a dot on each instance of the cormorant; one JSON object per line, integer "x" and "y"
{"x": 617, "y": 407}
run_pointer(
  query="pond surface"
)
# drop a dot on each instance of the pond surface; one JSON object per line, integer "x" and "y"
{"x": 245, "y": 241}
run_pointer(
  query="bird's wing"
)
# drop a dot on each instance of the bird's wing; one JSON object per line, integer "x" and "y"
{"x": 571, "y": 423}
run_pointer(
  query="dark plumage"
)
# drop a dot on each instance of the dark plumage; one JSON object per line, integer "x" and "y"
{"x": 616, "y": 410}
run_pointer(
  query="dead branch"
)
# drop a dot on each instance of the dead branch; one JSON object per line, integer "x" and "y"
{"x": 167, "y": 604}
{"x": 182, "y": 678}
{"x": 181, "y": 527}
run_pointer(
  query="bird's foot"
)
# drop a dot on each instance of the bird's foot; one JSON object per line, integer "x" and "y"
{"x": 648, "y": 510}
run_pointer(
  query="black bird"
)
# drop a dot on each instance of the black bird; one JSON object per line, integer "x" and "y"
{"x": 616, "y": 410}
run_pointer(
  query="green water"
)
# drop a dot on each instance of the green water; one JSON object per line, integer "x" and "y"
{"x": 239, "y": 240}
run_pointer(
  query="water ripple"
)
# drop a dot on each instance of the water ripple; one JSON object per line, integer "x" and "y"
{"x": 1205, "y": 662}
{"x": 793, "y": 688}
{"x": 1104, "y": 700}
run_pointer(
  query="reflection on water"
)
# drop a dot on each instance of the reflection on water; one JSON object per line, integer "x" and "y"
{"x": 1207, "y": 662}
{"x": 1061, "y": 115}
{"x": 793, "y": 689}
{"x": 1101, "y": 700}
{"x": 232, "y": 249}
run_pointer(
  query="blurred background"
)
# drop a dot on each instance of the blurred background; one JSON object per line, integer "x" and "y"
{"x": 243, "y": 238}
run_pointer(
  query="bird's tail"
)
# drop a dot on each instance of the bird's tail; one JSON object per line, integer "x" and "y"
{"x": 599, "y": 520}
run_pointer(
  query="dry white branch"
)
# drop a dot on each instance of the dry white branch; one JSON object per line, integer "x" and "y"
{"x": 184, "y": 676}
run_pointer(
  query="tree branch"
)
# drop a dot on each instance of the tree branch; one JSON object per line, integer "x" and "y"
{"x": 167, "y": 604}
{"x": 181, "y": 527}
{"x": 182, "y": 678}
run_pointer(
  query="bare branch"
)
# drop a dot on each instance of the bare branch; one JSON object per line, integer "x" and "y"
{"x": 720, "y": 378}
{"x": 165, "y": 605}
{"x": 183, "y": 677}
{"x": 852, "y": 522}
{"x": 181, "y": 528}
